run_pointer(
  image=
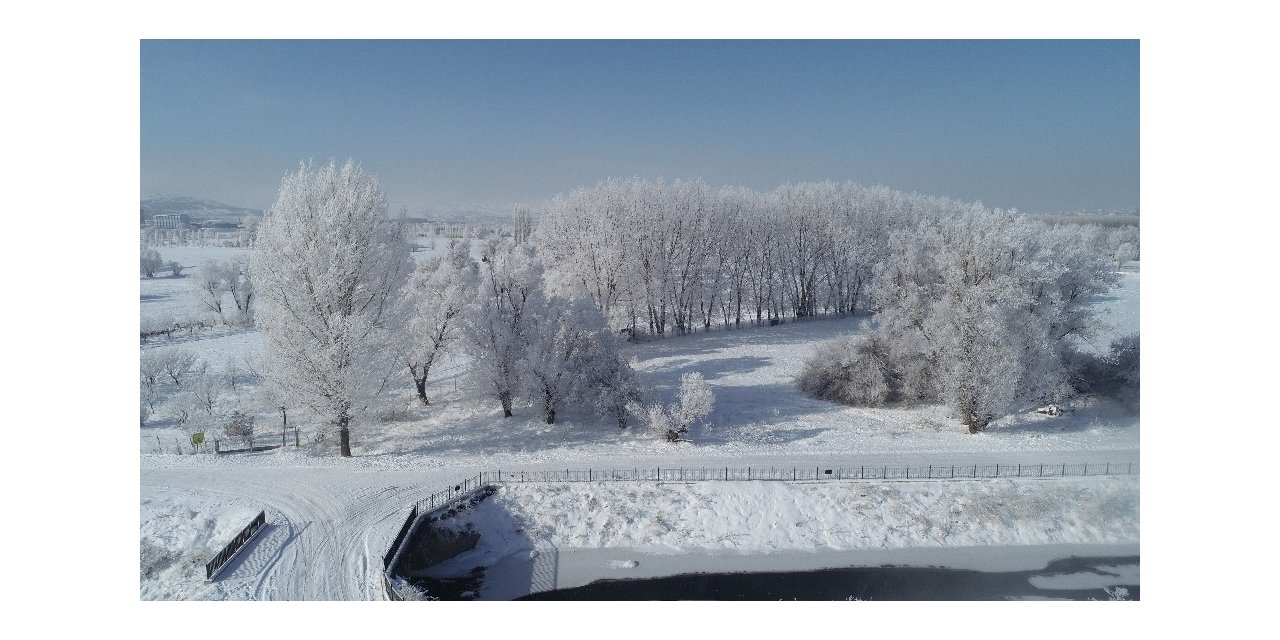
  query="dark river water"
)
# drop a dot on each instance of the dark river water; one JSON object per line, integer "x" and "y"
{"x": 1070, "y": 579}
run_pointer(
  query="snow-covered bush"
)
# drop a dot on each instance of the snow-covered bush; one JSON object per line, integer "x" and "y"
{"x": 239, "y": 425}
{"x": 175, "y": 269}
{"x": 694, "y": 403}
{"x": 847, "y": 370}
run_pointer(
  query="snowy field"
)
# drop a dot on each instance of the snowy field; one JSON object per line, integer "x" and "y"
{"x": 345, "y": 511}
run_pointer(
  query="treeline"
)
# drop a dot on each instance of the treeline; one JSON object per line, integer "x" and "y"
{"x": 661, "y": 257}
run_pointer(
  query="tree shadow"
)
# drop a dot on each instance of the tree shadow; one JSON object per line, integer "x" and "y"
{"x": 669, "y": 373}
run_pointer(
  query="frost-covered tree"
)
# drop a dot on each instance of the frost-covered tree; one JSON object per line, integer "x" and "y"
{"x": 521, "y": 225}
{"x": 175, "y": 269}
{"x": 211, "y": 288}
{"x": 215, "y": 281}
{"x": 496, "y": 324}
{"x": 695, "y": 403}
{"x": 240, "y": 285}
{"x": 975, "y": 309}
{"x": 329, "y": 268}
{"x": 1124, "y": 253}
{"x": 176, "y": 364}
{"x": 572, "y": 356}
{"x": 151, "y": 262}
{"x": 437, "y": 294}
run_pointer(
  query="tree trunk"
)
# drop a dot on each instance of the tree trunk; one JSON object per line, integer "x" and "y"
{"x": 344, "y": 435}
{"x": 505, "y": 399}
{"x": 551, "y": 416}
{"x": 421, "y": 385}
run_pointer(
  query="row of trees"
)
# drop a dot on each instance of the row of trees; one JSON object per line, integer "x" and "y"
{"x": 669, "y": 257}
{"x": 974, "y": 306}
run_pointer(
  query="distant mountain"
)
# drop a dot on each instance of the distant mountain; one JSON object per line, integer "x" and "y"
{"x": 197, "y": 208}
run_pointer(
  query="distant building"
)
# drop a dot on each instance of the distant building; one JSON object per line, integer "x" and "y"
{"x": 169, "y": 221}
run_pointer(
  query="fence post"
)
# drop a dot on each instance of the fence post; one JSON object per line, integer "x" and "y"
{"x": 1130, "y": 468}
{"x": 1019, "y": 470}
{"x": 748, "y": 473}
{"x": 930, "y": 472}
{"x": 1108, "y": 468}
{"x": 793, "y": 474}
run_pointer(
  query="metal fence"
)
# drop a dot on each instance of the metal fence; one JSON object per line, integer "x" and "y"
{"x": 219, "y": 562}
{"x": 262, "y": 441}
{"x": 454, "y": 494}
{"x": 815, "y": 473}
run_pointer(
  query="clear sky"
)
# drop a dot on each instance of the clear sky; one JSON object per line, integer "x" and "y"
{"x": 1037, "y": 125}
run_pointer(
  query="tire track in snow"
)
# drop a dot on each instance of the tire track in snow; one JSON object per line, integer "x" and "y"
{"x": 327, "y": 551}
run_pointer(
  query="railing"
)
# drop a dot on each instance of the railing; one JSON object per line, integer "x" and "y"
{"x": 451, "y": 495}
{"x": 220, "y": 561}
{"x": 816, "y": 473}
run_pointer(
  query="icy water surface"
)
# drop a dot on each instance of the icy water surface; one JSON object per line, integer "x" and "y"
{"x": 1064, "y": 579}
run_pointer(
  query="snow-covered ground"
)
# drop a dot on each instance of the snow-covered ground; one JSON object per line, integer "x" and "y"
{"x": 344, "y": 512}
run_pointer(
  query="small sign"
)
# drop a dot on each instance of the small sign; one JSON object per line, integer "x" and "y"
{"x": 197, "y": 438}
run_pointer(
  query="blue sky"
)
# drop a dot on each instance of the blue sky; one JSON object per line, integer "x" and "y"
{"x": 1037, "y": 125}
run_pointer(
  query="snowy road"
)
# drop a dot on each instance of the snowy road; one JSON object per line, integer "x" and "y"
{"x": 329, "y": 524}
{"x": 327, "y": 531}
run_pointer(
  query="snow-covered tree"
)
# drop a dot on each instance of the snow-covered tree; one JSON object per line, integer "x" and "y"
{"x": 151, "y": 262}
{"x": 175, "y": 364}
{"x": 329, "y": 267}
{"x": 695, "y": 403}
{"x": 521, "y": 225}
{"x": 175, "y": 269}
{"x": 215, "y": 281}
{"x": 975, "y": 309}
{"x": 496, "y": 324}
{"x": 240, "y": 285}
{"x": 572, "y": 356}
{"x": 211, "y": 288}
{"x": 437, "y": 294}
{"x": 1124, "y": 253}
